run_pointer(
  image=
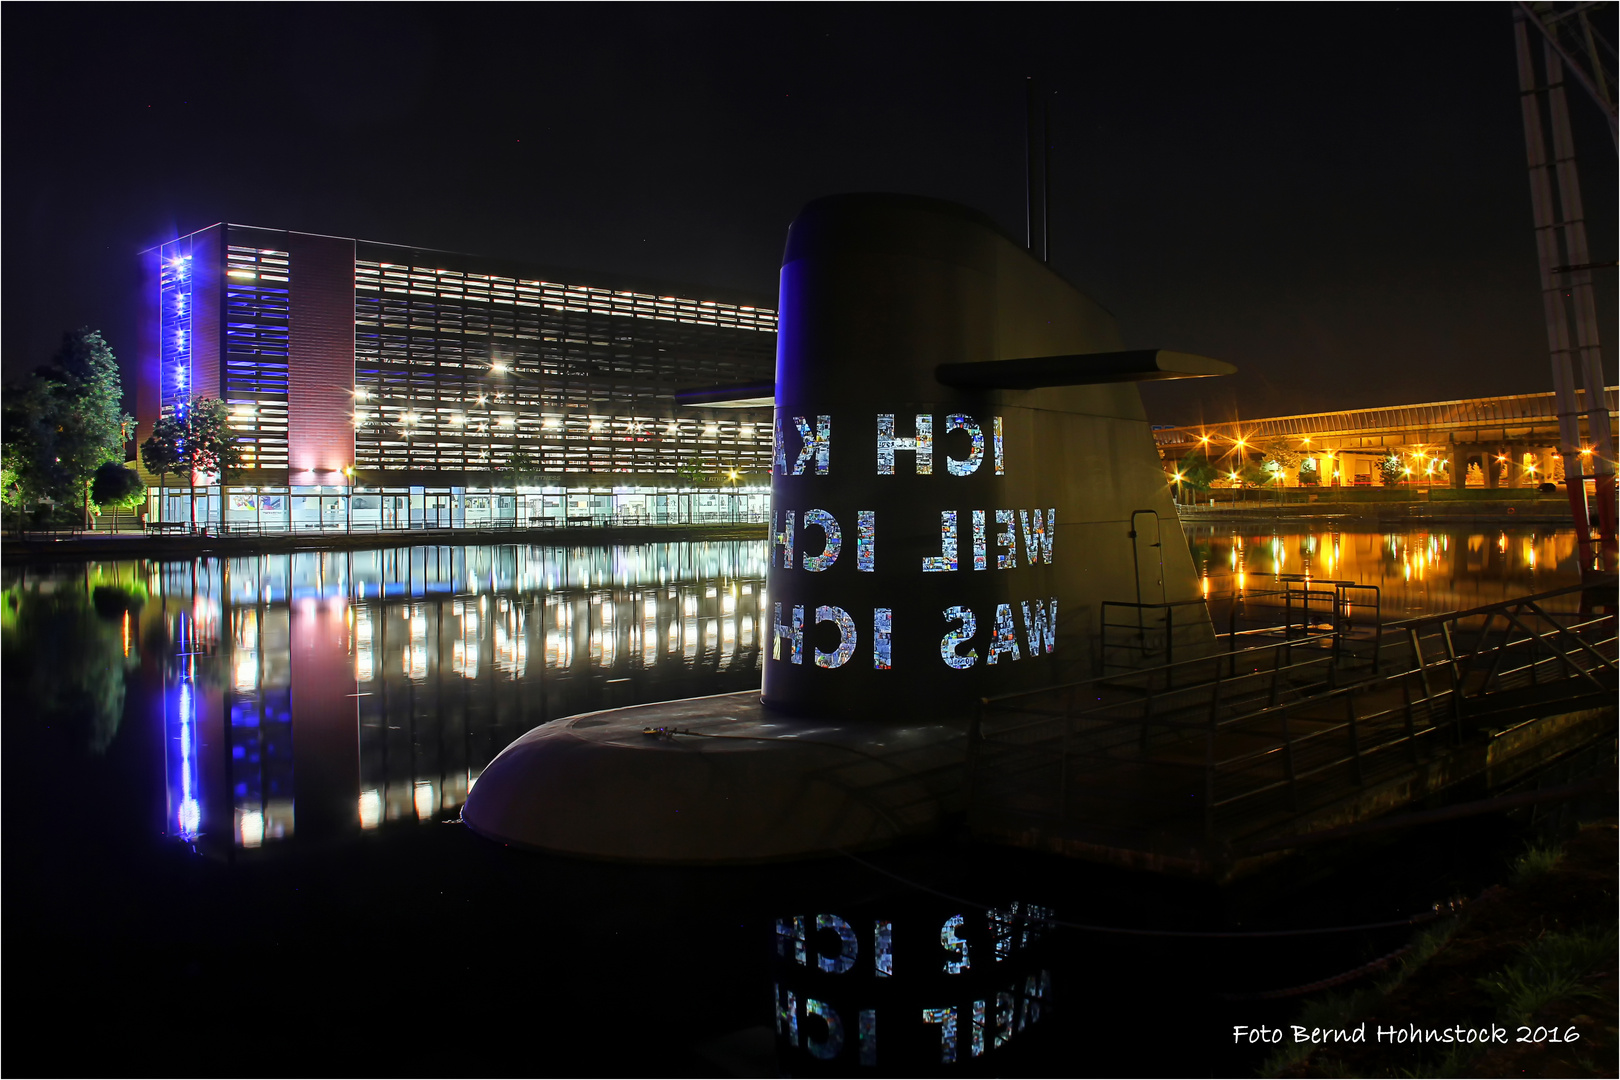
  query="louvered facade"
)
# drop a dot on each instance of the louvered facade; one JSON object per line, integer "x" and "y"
{"x": 393, "y": 386}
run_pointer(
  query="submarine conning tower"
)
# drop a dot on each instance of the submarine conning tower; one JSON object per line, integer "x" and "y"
{"x": 963, "y": 468}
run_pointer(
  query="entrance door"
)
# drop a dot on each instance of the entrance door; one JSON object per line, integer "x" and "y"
{"x": 436, "y": 511}
{"x": 396, "y": 511}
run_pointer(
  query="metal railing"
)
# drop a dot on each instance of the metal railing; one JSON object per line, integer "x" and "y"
{"x": 1228, "y": 744}
{"x": 1136, "y": 636}
{"x": 443, "y": 524}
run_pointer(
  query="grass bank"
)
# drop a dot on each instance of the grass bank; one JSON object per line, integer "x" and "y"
{"x": 1535, "y": 955}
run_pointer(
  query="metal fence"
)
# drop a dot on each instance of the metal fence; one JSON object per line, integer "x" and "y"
{"x": 549, "y": 524}
{"x": 1250, "y": 735}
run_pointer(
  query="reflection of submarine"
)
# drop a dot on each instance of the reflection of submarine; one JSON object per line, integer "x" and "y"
{"x": 963, "y": 476}
{"x": 914, "y": 984}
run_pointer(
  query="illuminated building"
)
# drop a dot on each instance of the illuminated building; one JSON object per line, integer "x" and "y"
{"x": 397, "y": 386}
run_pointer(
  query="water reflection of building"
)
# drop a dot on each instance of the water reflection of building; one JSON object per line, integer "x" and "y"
{"x": 316, "y": 693}
{"x": 1431, "y": 569}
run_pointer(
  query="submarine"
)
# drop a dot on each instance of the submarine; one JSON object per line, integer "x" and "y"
{"x": 961, "y": 465}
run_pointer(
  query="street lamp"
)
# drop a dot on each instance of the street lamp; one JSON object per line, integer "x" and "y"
{"x": 348, "y": 501}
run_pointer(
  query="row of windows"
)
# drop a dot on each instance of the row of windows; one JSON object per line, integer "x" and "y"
{"x": 257, "y": 311}
{"x": 401, "y": 280}
{"x": 458, "y": 371}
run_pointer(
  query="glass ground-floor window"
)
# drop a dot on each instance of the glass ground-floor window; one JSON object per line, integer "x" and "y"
{"x": 243, "y": 510}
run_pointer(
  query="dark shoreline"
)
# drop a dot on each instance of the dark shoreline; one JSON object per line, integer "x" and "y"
{"x": 131, "y": 546}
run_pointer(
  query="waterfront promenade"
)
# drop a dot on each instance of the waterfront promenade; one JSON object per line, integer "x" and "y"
{"x": 1379, "y": 506}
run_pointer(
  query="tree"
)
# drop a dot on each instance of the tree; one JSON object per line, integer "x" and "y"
{"x": 114, "y": 485}
{"x": 196, "y": 440}
{"x": 1196, "y": 471}
{"x": 89, "y": 415}
{"x": 690, "y": 470}
{"x": 63, "y": 422}
{"x": 1255, "y": 475}
{"x": 210, "y": 445}
{"x": 1278, "y": 453}
{"x": 522, "y": 467}
{"x": 161, "y": 453}
{"x": 1391, "y": 470}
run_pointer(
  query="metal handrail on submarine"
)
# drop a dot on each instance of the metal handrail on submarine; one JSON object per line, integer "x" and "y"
{"x": 1186, "y": 765}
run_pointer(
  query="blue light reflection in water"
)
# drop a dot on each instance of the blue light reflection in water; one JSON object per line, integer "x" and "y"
{"x": 348, "y": 691}
{"x": 189, "y": 815}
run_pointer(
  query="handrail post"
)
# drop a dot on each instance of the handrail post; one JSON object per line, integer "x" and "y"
{"x": 1288, "y": 762}
{"x": 1355, "y": 735}
{"x": 1147, "y": 716}
{"x": 1209, "y": 762}
{"x": 1417, "y": 658}
{"x": 1456, "y": 674}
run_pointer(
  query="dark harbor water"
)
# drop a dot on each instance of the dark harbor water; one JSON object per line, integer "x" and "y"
{"x": 231, "y": 839}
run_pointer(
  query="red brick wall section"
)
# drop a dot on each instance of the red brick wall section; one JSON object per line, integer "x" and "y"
{"x": 320, "y": 362}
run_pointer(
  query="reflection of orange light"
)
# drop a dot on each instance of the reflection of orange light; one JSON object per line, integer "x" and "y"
{"x": 126, "y": 633}
{"x": 1205, "y": 583}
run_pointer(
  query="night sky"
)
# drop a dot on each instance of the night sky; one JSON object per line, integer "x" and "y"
{"x": 1332, "y": 197}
